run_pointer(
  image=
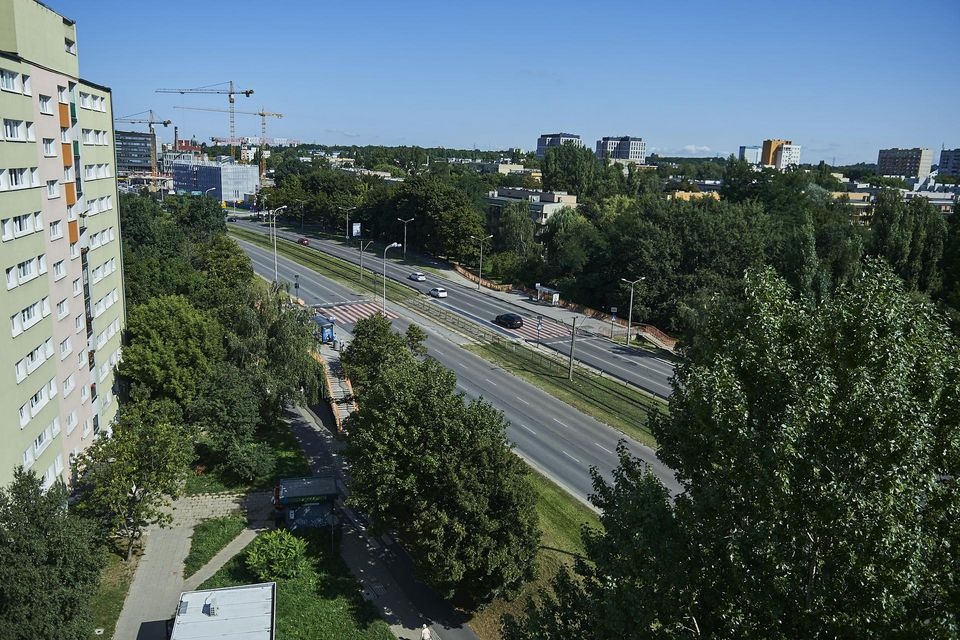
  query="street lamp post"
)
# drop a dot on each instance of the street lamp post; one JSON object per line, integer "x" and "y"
{"x": 630, "y": 313}
{"x": 482, "y": 240}
{"x": 301, "y": 203}
{"x": 206, "y": 191}
{"x": 405, "y": 235}
{"x": 347, "y": 211}
{"x": 273, "y": 220}
{"x": 362, "y": 247}
{"x": 392, "y": 245}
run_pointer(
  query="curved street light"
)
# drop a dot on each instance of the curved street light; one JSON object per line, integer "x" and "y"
{"x": 630, "y": 320}
{"x": 273, "y": 222}
{"x": 482, "y": 240}
{"x": 393, "y": 245}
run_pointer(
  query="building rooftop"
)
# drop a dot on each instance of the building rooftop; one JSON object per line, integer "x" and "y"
{"x": 234, "y": 613}
{"x": 557, "y": 135}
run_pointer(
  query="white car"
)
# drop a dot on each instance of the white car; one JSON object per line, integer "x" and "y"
{"x": 416, "y": 275}
{"x": 438, "y": 292}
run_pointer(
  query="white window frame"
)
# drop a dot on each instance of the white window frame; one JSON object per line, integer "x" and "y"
{"x": 46, "y": 105}
{"x": 53, "y": 189}
{"x": 49, "y": 148}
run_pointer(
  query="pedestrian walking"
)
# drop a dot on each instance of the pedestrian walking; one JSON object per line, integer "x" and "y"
{"x": 425, "y": 633}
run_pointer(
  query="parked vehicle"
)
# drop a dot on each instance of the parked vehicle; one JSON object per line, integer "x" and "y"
{"x": 304, "y": 242}
{"x": 509, "y": 320}
{"x": 438, "y": 292}
{"x": 231, "y": 219}
{"x": 416, "y": 275}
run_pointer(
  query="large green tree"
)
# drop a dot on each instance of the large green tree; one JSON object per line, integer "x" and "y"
{"x": 819, "y": 452}
{"x": 126, "y": 479}
{"x": 439, "y": 472}
{"x": 911, "y": 237}
{"x": 49, "y": 563}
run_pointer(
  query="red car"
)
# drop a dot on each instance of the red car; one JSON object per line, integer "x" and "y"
{"x": 304, "y": 242}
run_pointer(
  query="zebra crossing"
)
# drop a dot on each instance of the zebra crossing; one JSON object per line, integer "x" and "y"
{"x": 351, "y": 312}
{"x": 549, "y": 329}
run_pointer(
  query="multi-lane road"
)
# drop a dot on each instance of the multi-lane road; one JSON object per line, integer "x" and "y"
{"x": 553, "y": 437}
{"x": 636, "y": 366}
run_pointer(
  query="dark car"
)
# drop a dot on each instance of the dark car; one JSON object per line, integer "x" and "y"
{"x": 510, "y": 321}
{"x": 231, "y": 219}
{"x": 304, "y": 242}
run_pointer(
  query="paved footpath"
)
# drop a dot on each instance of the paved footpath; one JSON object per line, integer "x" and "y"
{"x": 158, "y": 581}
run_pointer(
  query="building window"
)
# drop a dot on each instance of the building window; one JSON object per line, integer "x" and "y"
{"x": 66, "y": 348}
{"x": 70, "y": 46}
{"x": 9, "y": 80}
{"x": 63, "y": 307}
{"x": 77, "y": 287}
{"x": 64, "y": 135}
{"x": 74, "y": 250}
{"x": 46, "y": 105}
{"x": 59, "y": 271}
{"x": 56, "y": 230}
{"x": 31, "y": 132}
{"x": 53, "y": 189}
{"x": 49, "y": 148}
{"x": 27, "y": 86}
{"x": 13, "y": 130}
{"x": 62, "y": 95}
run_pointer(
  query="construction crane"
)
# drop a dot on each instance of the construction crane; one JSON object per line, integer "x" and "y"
{"x": 150, "y": 121}
{"x": 231, "y": 93}
{"x": 264, "y": 114}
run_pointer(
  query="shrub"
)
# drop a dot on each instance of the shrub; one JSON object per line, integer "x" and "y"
{"x": 277, "y": 555}
{"x": 251, "y": 460}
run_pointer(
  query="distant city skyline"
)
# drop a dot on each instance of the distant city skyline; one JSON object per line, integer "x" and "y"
{"x": 698, "y": 81}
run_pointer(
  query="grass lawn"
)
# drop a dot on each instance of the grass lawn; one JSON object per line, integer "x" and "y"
{"x": 611, "y": 402}
{"x": 323, "y": 603}
{"x": 331, "y": 267}
{"x": 561, "y": 519}
{"x": 209, "y": 537}
{"x": 210, "y": 477}
{"x": 112, "y": 591}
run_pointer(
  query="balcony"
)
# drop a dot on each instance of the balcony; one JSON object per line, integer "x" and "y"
{"x": 66, "y": 150}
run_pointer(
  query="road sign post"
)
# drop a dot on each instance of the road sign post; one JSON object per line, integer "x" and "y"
{"x": 613, "y": 319}
{"x": 573, "y": 342}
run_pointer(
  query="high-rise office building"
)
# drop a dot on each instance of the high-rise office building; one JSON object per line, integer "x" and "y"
{"x": 60, "y": 246}
{"x": 625, "y": 149}
{"x": 548, "y": 140}
{"x": 768, "y": 154}
{"x": 750, "y": 154}
{"x": 949, "y": 162}
{"x": 907, "y": 163}
{"x": 135, "y": 152}
{"x": 788, "y": 155}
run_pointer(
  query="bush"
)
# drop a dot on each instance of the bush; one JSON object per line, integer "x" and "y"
{"x": 251, "y": 460}
{"x": 277, "y": 555}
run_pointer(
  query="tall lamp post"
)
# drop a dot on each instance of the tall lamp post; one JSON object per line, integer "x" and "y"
{"x": 482, "y": 240}
{"x": 273, "y": 220}
{"x": 206, "y": 191}
{"x": 392, "y": 245}
{"x": 347, "y": 211}
{"x": 630, "y": 314}
{"x": 301, "y": 203}
{"x": 405, "y": 235}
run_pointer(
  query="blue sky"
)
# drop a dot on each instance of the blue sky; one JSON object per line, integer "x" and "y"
{"x": 841, "y": 78}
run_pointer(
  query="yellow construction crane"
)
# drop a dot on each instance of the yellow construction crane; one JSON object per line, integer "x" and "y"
{"x": 150, "y": 121}
{"x": 231, "y": 93}
{"x": 264, "y": 114}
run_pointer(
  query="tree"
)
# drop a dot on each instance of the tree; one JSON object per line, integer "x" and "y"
{"x": 819, "y": 452}
{"x": 374, "y": 345}
{"x": 173, "y": 348}
{"x": 911, "y": 237}
{"x": 570, "y": 168}
{"x": 128, "y": 477}
{"x": 277, "y": 555}
{"x": 440, "y": 473}
{"x": 50, "y": 563}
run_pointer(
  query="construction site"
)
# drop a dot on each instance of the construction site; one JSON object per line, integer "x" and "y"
{"x": 186, "y": 166}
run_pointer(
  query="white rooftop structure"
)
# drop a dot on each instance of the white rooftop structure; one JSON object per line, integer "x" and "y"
{"x": 234, "y": 613}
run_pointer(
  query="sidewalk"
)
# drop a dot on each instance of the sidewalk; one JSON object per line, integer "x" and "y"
{"x": 158, "y": 582}
{"x": 379, "y": 564}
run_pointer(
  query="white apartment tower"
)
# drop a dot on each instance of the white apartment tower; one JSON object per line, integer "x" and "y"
{"x": 624, "y": 148}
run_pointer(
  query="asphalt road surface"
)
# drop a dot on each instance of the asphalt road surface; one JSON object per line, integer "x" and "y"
{"x": 639, "y": 367}
{"x": 553, "y": 437}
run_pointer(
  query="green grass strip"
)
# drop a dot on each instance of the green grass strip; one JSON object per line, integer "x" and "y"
{"x": 209, "y": 537}
{"x": 608, "y": 400}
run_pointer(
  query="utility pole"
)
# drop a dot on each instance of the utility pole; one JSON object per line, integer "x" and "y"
{"x": 632, "y": 283}
{"x": 405, "y": 229}
{"x": 385, "y": 249}
{"x": 573, "y": 342}
{"x": 482, "y": 240}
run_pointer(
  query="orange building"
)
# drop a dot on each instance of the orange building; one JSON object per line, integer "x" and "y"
{"x": 768, "y": 155}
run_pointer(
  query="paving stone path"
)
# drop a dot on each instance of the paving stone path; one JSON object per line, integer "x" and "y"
{"x": 158, "y": 581}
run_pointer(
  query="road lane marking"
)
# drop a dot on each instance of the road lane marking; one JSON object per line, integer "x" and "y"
{"x": 490, "y": 381}
{"x": 523, "y": 426}
{"x": 603, "y": 447}
{"x": 522, "y": 400}
{"x": 562, "y": 424}
{"x": 570, "y": 456}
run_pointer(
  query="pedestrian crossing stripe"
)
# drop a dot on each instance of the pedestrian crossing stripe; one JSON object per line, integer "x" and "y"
{"x": 547, "y": 330}
{"x": 352, "y": 312}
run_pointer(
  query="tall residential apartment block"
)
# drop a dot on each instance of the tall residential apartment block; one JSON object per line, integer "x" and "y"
{"x": 548, "y": 140}
{"x": 908, "y": 163}
{"x": 62, "y": 302}
{"x": 768, "y": 154}
{"x": 625, "y": 148}
{"x": 750, "y": 154}
{"x": 949, "y": 162}
{"x": 788, "y": 155}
